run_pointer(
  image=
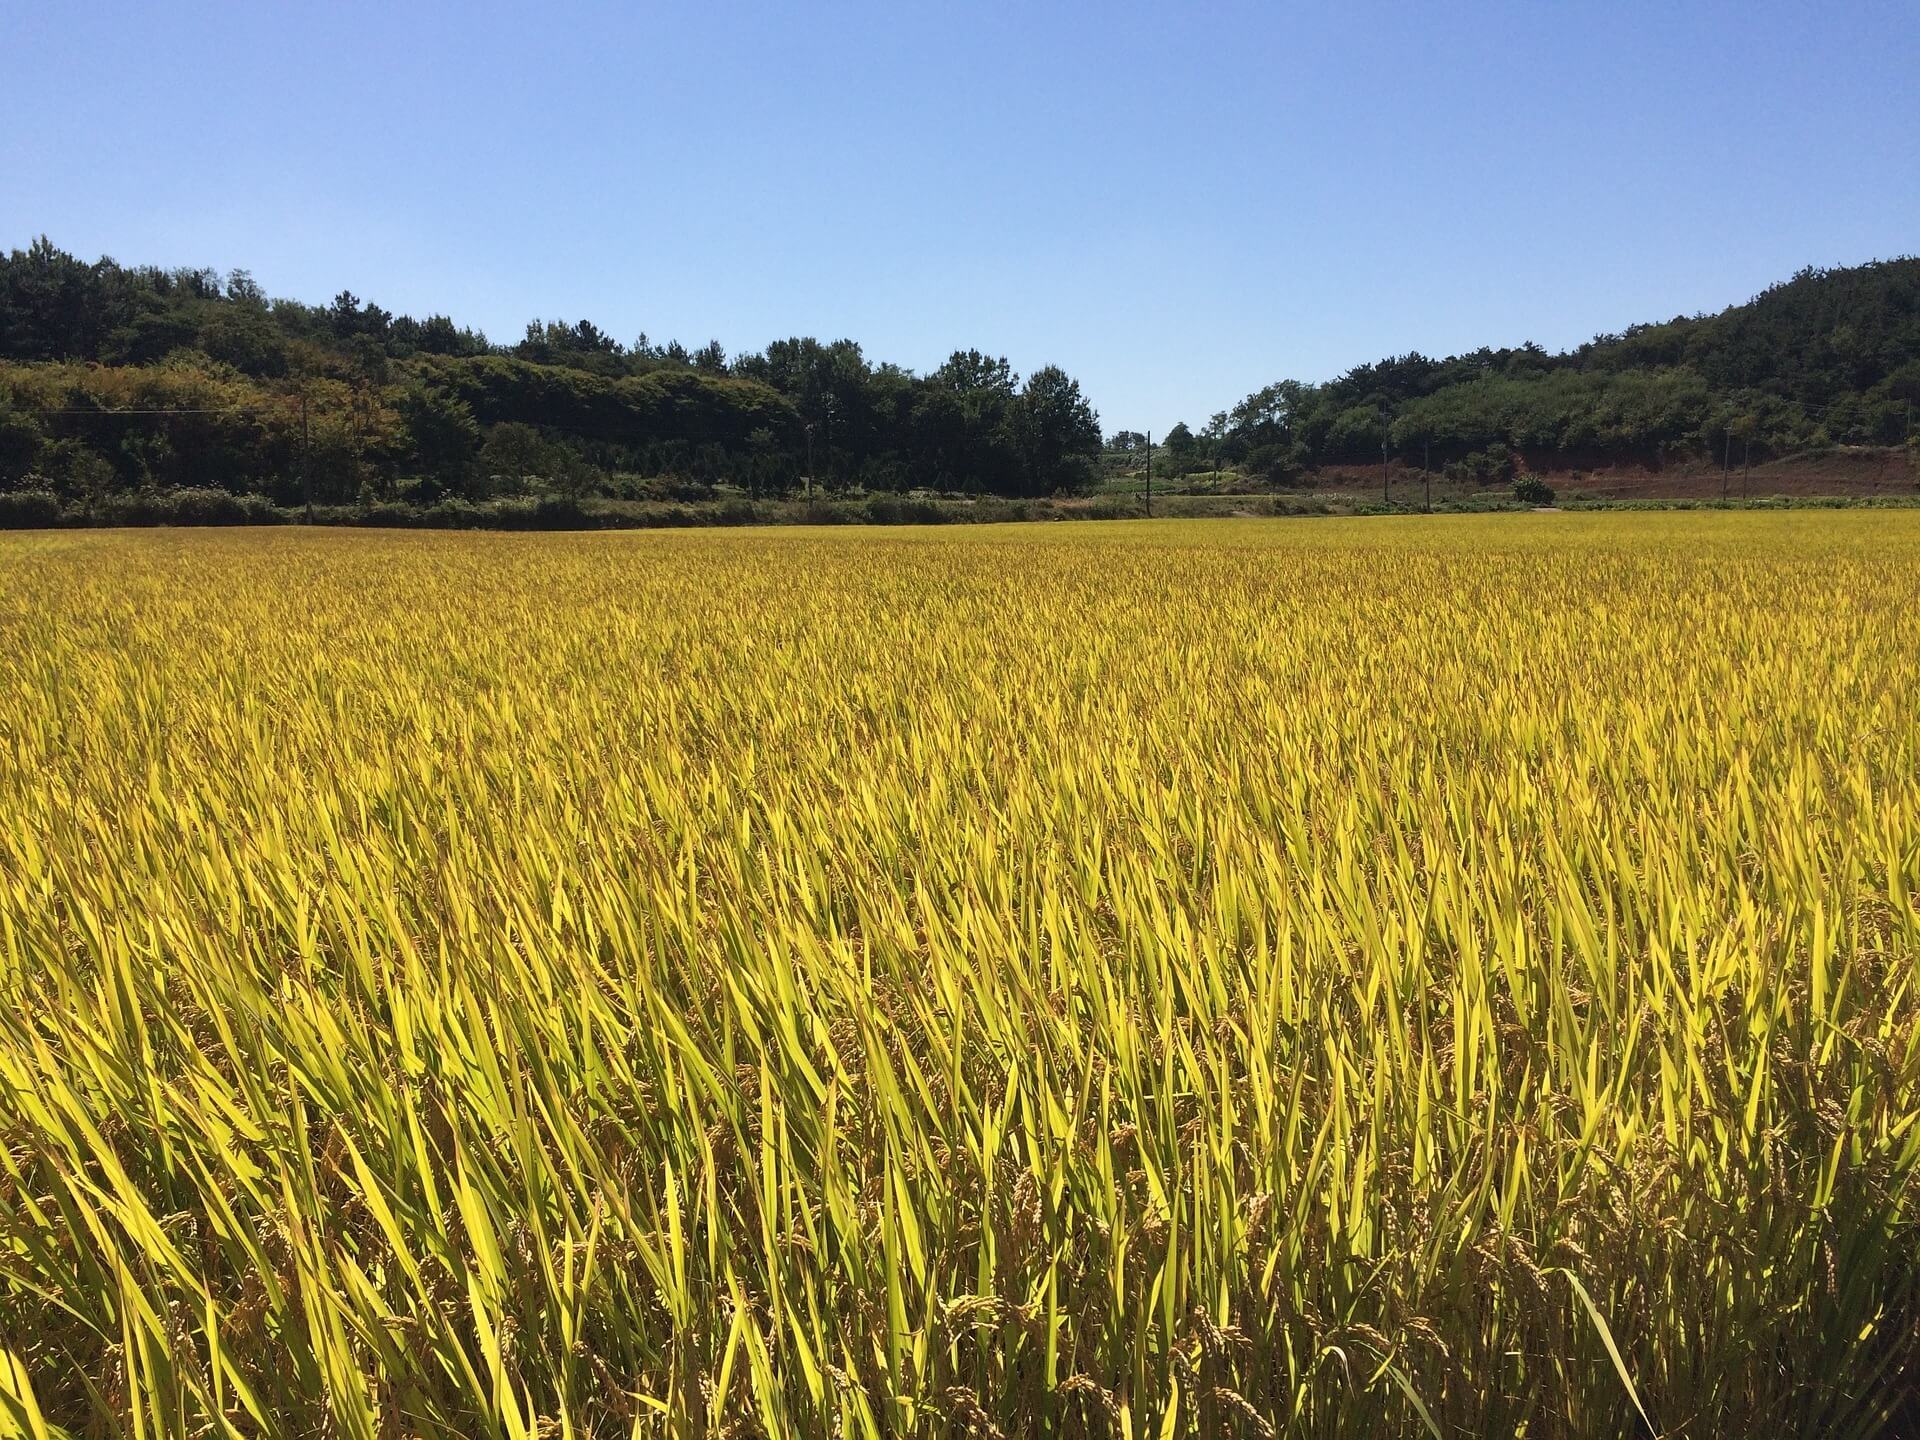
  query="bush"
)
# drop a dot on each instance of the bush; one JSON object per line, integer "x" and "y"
{"x": 540, "y": 512}
{"x": 661, "y": 487}
{"x": 388, "y": 515}
{"x": 191, "y": 505}
{"x": 906, "y": 510}
{"x": 1532, "y": 490}
{"x": 453, "y": 514}
{"x": 826, "y": 512}
{"x": 29, "y": 509}
{"x": 994, "y": 511}
{"x": 1277, "y": 464}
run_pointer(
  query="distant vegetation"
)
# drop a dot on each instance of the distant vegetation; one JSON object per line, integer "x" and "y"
{"x": 1830, "y": 357}
{"x": 121, "y": 388}
{"x": 117, "y": 379}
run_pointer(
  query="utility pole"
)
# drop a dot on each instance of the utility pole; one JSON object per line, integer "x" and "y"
{"x": 809, "y": 428}
{"x": 1149, "y": 474}
{"x": 1726, "y": 465}
{"x": 1426, "y": 471}
{"x": 1385, "y": 497}
{"x": 1746, "y": 462}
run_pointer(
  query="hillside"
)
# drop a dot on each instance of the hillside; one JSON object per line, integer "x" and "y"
{"x": 116, "y": 379}
{"x": 122, "y": 388}
{"x": 1827, "y": 358}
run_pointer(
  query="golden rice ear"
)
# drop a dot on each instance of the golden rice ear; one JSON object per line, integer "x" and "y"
{"x": 1372, "y": 977}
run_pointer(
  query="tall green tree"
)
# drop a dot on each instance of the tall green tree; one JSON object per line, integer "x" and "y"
{"x": 443, "y": 436}
{"x": 1058, "y": 431}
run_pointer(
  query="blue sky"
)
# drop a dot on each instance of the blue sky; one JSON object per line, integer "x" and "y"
{"x": 1176, "y": 203}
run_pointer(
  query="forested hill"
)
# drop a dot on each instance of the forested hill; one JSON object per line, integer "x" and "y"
{"x": 116, "y": 378}
{"x": 120, "y": 381}
{"x": 1830, "y": 357}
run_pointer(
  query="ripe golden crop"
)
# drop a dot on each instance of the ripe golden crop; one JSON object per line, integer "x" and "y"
{"x": 1311, "y": 978}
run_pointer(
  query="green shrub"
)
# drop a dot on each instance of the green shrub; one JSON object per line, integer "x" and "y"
{"x": 30, "y": 510}
{"x": 189, "y": 505}
{"x": 826, "y": 512}
{"x": 907, "y": 510}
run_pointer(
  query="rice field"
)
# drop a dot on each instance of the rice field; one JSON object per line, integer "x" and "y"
{"x": 1427, "y": 977}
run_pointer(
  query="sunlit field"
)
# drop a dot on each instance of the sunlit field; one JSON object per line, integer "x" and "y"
{"x": 1449, "y": 976}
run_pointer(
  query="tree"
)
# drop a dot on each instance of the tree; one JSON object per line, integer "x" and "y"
{"x": 1269, "y": 413}
{"x": 20, "y": 441}
{"x": 970, "y": 370}
{"x": 1215, "y": 437}
{"x": 243, "y": 289}
{"x": 1183, "y": 451}
{"x": 344, "y": 315}
{"x": 514, "y": 455}
{"x": 369, "y": 360}
{"x": 435, "y": 335}
{"x": 244, "y": 337}
{"x": 55, "y": 307}
{"x": 1059, "y": 433}
{"x": 964, "y": 434}
{"x": 1356, "y": 433}
{"x": 833, "y": 389}
{"x": 441, "y": 434}
{"x": 588, "y": 339}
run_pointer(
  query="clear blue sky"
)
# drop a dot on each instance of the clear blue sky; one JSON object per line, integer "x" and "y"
{"x": 1176, "y": 203}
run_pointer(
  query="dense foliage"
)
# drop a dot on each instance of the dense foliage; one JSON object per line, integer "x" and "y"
{"x": 114, "y": 379}
{"x": 1830, "y": 357}
{"x": 119, "y": 380}
{"x": 1159, "y": 981}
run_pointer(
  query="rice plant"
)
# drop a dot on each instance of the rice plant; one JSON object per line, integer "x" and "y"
{"x": 1429, "y": 977}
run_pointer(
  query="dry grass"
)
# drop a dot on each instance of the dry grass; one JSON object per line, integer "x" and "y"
{"x": 1315, "y": 978}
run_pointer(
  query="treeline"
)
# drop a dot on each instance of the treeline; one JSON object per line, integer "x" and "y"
{"x": 117, "y": 379}
{"x": 120, "y": 381}
{"x": 1830, "y": 357}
